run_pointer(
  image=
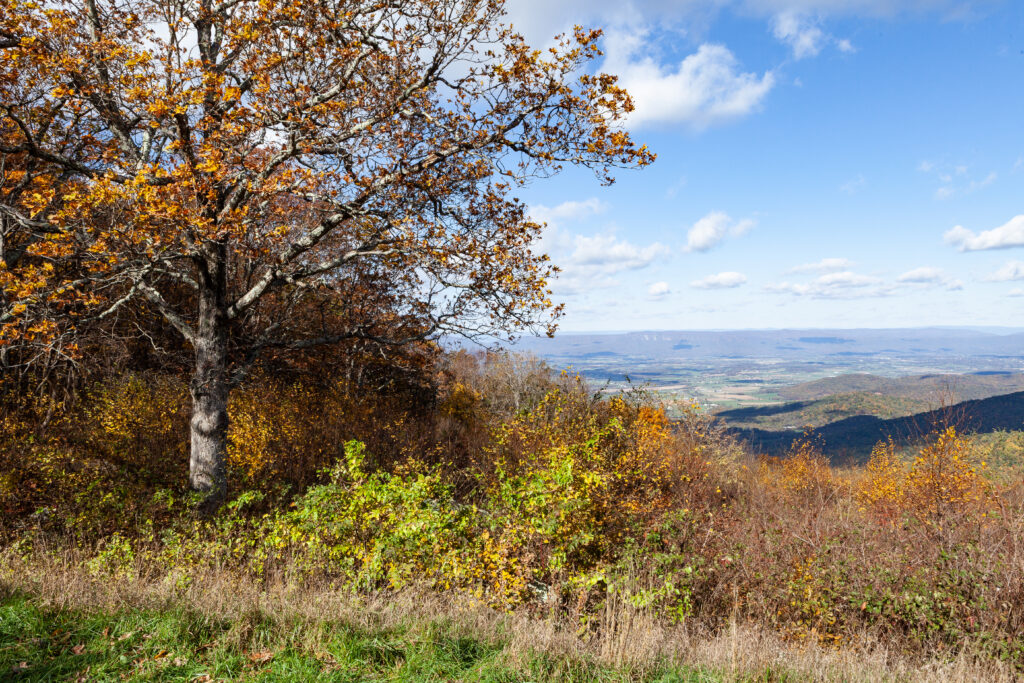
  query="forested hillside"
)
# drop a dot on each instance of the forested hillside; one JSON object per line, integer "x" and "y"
{"x": 936, "y": 388}
{"x": 852, "y": 438}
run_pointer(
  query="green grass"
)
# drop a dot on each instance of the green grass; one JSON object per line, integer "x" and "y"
{"x": 48, "y": 644}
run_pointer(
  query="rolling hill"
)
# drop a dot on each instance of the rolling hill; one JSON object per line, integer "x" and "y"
{"x": 852, "y": 439}
{"x": 929, "y": 387}
{"x": 822, "y": 411}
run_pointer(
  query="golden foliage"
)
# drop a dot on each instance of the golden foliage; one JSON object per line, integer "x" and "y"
{"x": 882, "y": 489}
{"x": 803, "y": 474}
{"x": 943, "y": 481}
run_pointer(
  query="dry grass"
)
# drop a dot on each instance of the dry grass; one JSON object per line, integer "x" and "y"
{"x": 629, "y": 640}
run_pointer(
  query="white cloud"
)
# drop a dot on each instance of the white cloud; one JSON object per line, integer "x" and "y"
{"x": 726, "y": 280}
{"x": 925, "y": 274}
{"x": 710, "y": 230}
{"x": 845, "y": 45}
{"x": 846, "y": 278}
{"x": 840, "y": 285}
{"x": 1012, "y": 270}
{"x": 706, "y": 88}
{"x": 555, "y": 240}
{"x": 594, "y": 261}
{"x": 567, "y": 211}
{"x": 1010, "y": 234}
{"x": 825, "y": 265}
{"x": 613, "y": 254}
{"x": 587, "y": 262}
{"x": 659, "y": 290}
{"x": 929, "y": 276}
{"x": 1015, "y": 292}
{"x": 801, "y": 34}
{"x": 847, "y": 284}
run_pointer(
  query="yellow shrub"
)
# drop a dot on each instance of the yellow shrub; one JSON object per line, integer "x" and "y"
{"x": 804, "y": 473}
{"x": 943, "y": 480}
{"x": 140, "y": 417}
{"x": 883, "y": 487}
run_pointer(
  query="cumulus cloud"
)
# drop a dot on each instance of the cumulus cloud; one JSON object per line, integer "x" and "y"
{"x": 710, "y": 230}
{"x": 659, "y": 290}
{"x": 588, "y": 262}
{"x": 802, "y": 35}
{"x": 1010, "y": 234}
{"x": 593, "y": 262}
{"x": 555, "y": 239}
{"x": 925, "y": 274}
{"x": 1015, "y": 292}
{"x": 840, "y": 285}
{"x": 847, "y": 284}
{"x": 726, "y": 280}
{"x": 612, "y": 254}
{"x": 1012, "y": 270}
{"x": 928, "y": 276}
{"x": 567, "y": 211}
{"x": 706, "y": 88}
{"x": 825, "y": 265}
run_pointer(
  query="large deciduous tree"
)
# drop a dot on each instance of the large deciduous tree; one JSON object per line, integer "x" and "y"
{"x": 219, "y": 164}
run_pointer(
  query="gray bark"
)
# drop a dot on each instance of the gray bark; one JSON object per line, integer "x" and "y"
{"x": 210, "y": 387}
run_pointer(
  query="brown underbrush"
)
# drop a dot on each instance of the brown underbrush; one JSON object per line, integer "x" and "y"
{"x": 522, "y": 498}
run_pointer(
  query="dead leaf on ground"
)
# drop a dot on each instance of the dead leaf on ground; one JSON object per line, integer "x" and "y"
{"x": 78, "y": 649}
{"x": 125, "y": 636}
{"x": 261, "y": 657}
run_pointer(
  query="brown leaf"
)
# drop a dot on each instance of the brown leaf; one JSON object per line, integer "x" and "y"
{"x": 78, "y": 649}
{"x": 202, "y": 678}
{"x": 125, "y": 636}
{"x": 261, "y": 657}
{"x": 106, "y": 632}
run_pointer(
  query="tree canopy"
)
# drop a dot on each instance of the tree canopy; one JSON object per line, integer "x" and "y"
{"x": 250, "y": 172}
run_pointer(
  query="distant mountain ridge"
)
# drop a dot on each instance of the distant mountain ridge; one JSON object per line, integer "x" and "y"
{"x": 785, "y": 344}
{"x": 961, "y": 387}
{"x": 853, "y": 438}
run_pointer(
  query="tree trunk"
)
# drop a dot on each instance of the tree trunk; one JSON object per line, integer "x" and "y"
{"x": 209, "y": 388}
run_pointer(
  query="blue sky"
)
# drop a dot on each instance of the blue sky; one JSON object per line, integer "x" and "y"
{"x": 821, "y": 163}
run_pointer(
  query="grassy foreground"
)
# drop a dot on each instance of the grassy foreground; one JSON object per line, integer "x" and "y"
{"x": 46, "y": 644}
{"x": 59, "y": 623}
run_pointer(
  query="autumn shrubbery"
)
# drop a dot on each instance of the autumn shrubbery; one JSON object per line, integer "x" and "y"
{"x": 526, "y": 490}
